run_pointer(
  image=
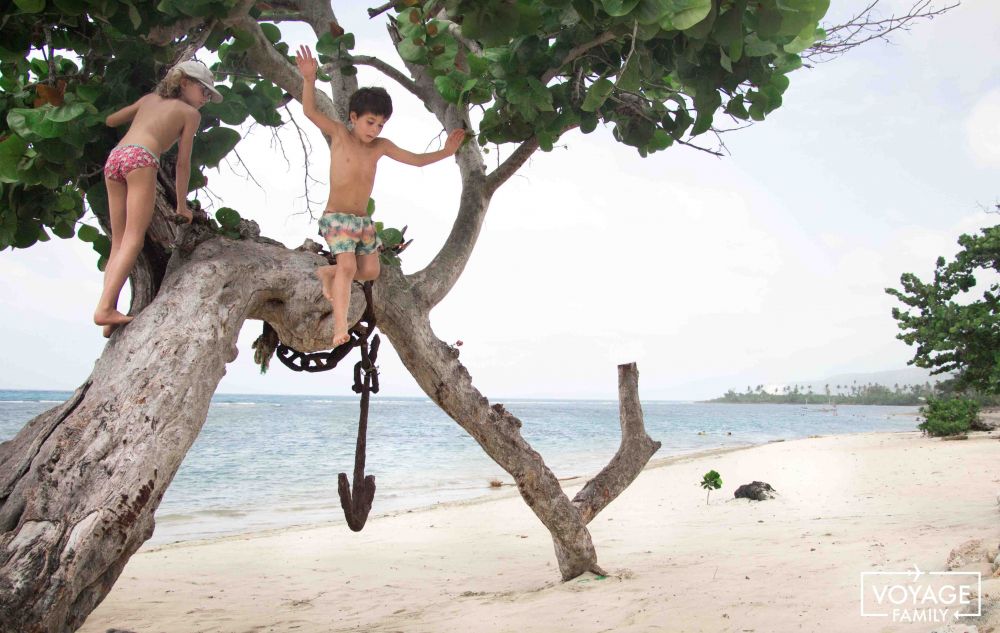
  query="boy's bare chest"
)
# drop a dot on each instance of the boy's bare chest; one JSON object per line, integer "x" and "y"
{"x": 354, "y": 161}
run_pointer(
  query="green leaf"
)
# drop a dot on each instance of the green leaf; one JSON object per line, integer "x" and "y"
{"x": 88, "y": 233}
{"x": 683, "y": 14}
{"x": 89, "y": 92}
{"x": 756, "y": 47}
{"x": 243, "y": 41}
{"x": 652, "y": 11}
{"x": 541, "y": 98}
{"x": 597, "y": 95}
{"x": 545, "y": 141}
{"x": 391, "y": 237}
{"x": 449, "y": 89}
{"x": 630, "y": 78}
{"x": 412, "y": 51}
{"x": 809, "y": 36}
{"x": 701, "y": 30}
{"x": 736, "y": 108}
{"x": 30, "y": 6}
{"x": 273, "y": 33}
{"x": 133, "y": 16}
{"x": 724, "y": 60}
{"x": 618, "y": 8}
{"x": 210, "y": 147}
{"x": 371, "y": 206}
{"x": 228, "y": 218}
{"x": 31, "y": 123}
{"x": 11, "y": 151}
{"x": 660, "y": 141}
{"x": 327, "y": 45}
{"x": 71, "y": 7}
{"x": 492, "y": 24}
{"x": 65, "y": 113}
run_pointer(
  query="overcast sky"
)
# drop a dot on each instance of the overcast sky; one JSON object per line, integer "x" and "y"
{"x": 765, "y": 266}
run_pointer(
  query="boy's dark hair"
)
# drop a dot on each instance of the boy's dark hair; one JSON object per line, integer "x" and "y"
{"x": 371, "y": 100}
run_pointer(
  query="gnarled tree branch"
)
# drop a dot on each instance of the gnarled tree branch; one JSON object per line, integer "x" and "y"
{"x": 634, "y": 452}
{"x": 389, "y": 71}
{"x": 510, "y": 165}
{"x": 576, "y": 52}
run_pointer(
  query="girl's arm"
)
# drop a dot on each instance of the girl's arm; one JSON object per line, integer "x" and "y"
{"x": 192, "y": 119}
{"x": 124, "y": 115}
{"x": 398, "y": 154}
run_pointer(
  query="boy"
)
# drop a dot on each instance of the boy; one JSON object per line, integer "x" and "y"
{"x": 354, "y": 153}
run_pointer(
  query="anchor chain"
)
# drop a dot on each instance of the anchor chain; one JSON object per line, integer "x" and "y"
{"x": 357, "y": 504}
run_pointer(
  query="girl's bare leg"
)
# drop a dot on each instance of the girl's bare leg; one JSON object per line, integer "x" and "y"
{"x": 138, "y": 211}
{"x": 117, "y": 192}
{"x": 344, "y": 271}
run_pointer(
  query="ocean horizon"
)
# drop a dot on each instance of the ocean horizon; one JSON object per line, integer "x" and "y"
{"x": 264, "y": 462}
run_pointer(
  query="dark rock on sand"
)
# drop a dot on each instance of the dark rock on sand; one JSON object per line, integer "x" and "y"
{"x": 756, "y": 491}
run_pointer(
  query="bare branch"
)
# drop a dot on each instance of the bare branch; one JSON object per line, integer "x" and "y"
{"x": 163, "y": 35}
{"x": 713, "y": 152}
{"x": 389, "y": 71}
{"x": 512, "y": 163}
{"x": 867, "y": 26}
{"x": 282, "y": 16}
{"x": 306, "y": 151}
{"x": 276, "y": 68}
{"x": 319, "y": 15}
{"x": 634, "y": 452}
{"x": 372, "y": 13}
{"x": 472, "y": 45}
{"x": 247, "y": 169}
{"x": 603, "y": 38}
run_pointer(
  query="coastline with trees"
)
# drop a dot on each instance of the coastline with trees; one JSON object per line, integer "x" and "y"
{"x": 871, "y": 393}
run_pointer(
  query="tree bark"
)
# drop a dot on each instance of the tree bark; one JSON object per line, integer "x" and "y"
{"x": 80, "y": 483}
{"x": 435, "y": 366}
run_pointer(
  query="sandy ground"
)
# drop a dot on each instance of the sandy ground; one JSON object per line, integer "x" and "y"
{"x": 847, "y": 504}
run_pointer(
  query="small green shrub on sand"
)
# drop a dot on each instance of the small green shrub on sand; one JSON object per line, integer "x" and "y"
{"x": 952, "y": 416}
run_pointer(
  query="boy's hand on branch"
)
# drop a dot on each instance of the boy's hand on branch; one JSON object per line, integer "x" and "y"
{"x": 454, "y": 141}
{"x": 307, "y": 63}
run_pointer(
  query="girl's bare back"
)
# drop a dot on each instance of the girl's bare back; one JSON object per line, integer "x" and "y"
{"x": 157, "y": 123}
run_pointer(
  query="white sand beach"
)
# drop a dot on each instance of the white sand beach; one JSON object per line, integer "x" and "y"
{"x": 846, "y": 505}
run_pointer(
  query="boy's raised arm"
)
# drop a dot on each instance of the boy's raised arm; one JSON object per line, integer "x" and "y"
{"x": 307, "y": 66}
{"x": 401, "y": 155}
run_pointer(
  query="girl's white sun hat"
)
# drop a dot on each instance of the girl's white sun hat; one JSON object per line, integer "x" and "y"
{"x": 200, "y": 73}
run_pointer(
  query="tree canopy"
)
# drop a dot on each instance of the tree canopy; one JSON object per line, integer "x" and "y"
{"x": 954, "y": 331}
{"x": 659, "y": 71}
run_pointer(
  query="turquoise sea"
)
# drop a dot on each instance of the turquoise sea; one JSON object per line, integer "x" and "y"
{"x": 264, "y": 462}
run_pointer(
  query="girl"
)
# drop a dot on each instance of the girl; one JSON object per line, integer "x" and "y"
{"x": 160, "y": 119}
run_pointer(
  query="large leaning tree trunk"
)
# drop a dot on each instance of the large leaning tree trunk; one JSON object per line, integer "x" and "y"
{"x": 80, "y": 483}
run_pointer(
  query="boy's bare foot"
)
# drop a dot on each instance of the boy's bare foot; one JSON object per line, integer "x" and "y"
{"x": 110, "y": 317}
{"x": 340, "y": 337}
{"x": 107, "y": 330}
{"x": 326, "y": 275}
